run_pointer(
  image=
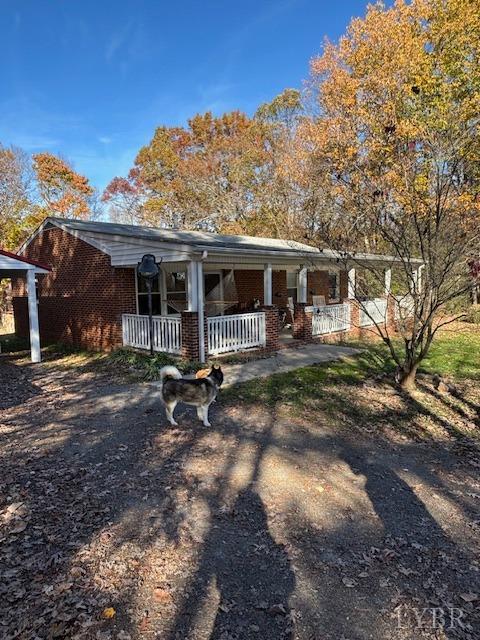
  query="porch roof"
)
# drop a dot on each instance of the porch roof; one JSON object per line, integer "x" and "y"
{"x": 12, "y": 264}
{"x": 126, "y": 244}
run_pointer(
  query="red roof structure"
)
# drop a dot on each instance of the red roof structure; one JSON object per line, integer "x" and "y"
{"x": 9, "y": 254}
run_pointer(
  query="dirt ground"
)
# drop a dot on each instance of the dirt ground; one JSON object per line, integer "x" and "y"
{"x": 274, "y": 523}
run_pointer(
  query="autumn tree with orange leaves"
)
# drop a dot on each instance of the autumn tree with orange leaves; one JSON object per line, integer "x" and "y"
{"x": 196, "y": 177}
{"x": 62, "y": 191}
{"x": 393, "y": 154}
{"x": 226, "y": 173}
{"x": 31, "y": 190}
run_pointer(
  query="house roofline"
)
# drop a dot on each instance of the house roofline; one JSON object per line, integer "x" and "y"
{"x": 15, "y": 256}
{"x": 305, "y": 253}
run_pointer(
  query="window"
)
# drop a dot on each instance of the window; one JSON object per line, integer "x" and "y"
{"x": 292, "y": 285}
{"x": 143, "y": 296}
{"x": 333, "y": 285}
{"x": 175, "y": 293}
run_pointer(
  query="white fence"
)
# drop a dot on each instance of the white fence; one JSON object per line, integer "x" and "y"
{"x": 330, "y": 318}
{"x": 167, "y": 333}
{"x": 373, "y": 311}
{"x": 236, "y": 332}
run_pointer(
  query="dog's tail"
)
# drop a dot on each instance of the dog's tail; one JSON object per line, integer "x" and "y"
{"x": 169, "y": 372}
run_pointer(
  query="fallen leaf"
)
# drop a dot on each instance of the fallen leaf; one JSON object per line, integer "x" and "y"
{"x": 108, "y": 613}
{"x": 162, "y": 595}
{"x": 349, "y": 582}
{"x": 469, "y": 597}
{"x": 144, "y": 623}
{"x": 277, "y": 609}
{"x": 19, "y": 527}
{"x": 15, "y": 506}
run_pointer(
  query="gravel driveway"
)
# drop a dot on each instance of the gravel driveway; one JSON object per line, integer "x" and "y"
{"x": 268, "y": 525}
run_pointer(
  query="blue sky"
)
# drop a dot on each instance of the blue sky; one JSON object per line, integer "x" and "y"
{"x": 90, "y": 80}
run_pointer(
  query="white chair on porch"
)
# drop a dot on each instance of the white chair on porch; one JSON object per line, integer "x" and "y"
{"x": 318, "y": 301}
{"x": 291, "y": 306}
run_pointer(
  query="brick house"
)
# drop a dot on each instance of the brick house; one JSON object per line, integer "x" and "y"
{"x": 215, "y": 293}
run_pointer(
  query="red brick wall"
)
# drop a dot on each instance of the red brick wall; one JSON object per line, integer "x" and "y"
{"x": 249, "y": 285}
{"x": 81, "y": 301}
{"x": 279, "y": 288}
{"x": 272, "y": 328}
{"x": 317, "y": 281}
{"x": 190, "y": 341}
{"x": 302, "y": 323}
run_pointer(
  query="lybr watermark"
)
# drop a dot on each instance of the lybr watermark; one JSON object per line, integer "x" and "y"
{"x": 430, "y": 617}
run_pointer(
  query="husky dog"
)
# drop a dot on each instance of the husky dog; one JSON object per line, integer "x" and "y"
{"x": 199, "y": 392}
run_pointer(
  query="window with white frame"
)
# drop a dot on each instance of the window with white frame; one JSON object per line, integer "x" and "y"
{"x": 142, "y": 296}
{"x": 292, "y": 283}
{"x": 333, "y": 285}
{"x": 176, "y": 291}
{"x": 169, "y": 294}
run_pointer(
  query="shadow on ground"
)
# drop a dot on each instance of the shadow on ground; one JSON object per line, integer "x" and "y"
{"x": 269, "y": 525}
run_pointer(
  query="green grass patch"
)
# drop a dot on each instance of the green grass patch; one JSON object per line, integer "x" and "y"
{"x": 453, "y": 355}
{"x": 143, "y": 366}
{"x": 122, "y": 365}
{"x": 300, "y": 386}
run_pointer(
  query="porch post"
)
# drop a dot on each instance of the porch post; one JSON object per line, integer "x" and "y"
{"x": 388, "y": 281}
{"x": 163, "y": 290}
{"x": 33, "y": 316}
{"x": 201, "y": 312}
{"x": 420, "y": 278}
{"x": 302, "y": 285}
{"x": 267, "y": 285}
{"x": 415, "y": 280}
{"x": 192, "y": 286}
{"x": 352, "y": 283}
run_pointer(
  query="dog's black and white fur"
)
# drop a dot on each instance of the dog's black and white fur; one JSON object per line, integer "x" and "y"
{"x": 199, "y": 392}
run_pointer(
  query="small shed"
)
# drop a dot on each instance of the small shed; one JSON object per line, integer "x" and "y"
{"x": 15, "y": 266}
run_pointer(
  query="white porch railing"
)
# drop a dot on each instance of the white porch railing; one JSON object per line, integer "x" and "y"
{"x": 236, "y": 332}
{"x": 330, "y": 318}
{"x": 373, "y": 311}
{"x": 167, "y": 333}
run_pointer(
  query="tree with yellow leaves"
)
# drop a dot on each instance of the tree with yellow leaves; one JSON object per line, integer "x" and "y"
{"x": 16, "y": 193}
{"x": 62, "y": 191}
{"x": 198, "y": 177}
{"x": 393, "y": 155}
{"x": 229, "y": 173}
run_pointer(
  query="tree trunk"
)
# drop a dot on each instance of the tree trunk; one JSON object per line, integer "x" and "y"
{"x": 407, "y": 376}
